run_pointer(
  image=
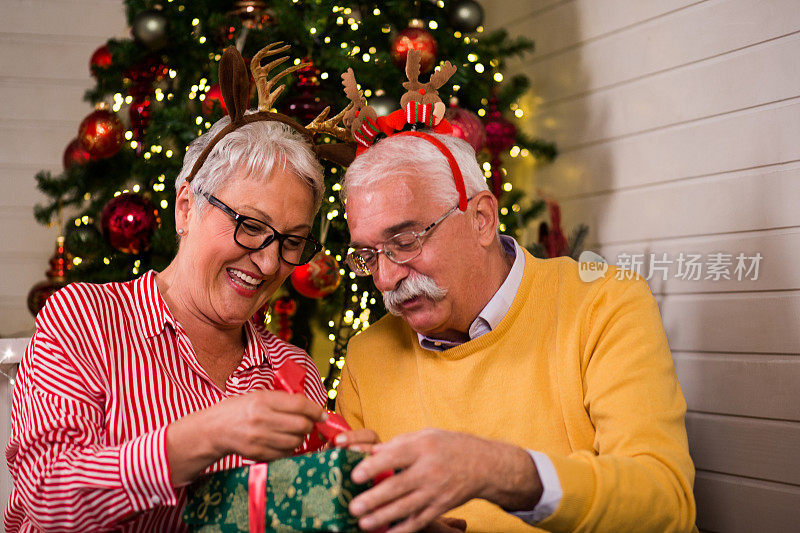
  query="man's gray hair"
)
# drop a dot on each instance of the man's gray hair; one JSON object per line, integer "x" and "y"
{"x": 257, "y": 148}
{"x": 403, "y": 155}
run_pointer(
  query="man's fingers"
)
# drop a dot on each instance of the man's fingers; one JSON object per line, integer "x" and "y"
{"x": 383, "y": 460}
{"x": 356, "y": 437}
{"x": 410, "y": 504}
{"x": 366, "y": 448}
{"x": 446, "y": 525}
{"x": 416, "y": 522}
{"x": 383, "y": 493}
{"x": 455, "y": 523}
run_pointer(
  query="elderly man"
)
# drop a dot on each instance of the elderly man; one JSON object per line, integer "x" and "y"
{"x": 501, "y": 386}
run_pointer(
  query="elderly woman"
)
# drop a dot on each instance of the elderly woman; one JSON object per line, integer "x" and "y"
{"x": 128, "y": 391}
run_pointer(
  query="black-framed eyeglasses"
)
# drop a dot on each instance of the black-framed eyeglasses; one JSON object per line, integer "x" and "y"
{"x": 254, "y": 234}
{"x": 398, "y": 249}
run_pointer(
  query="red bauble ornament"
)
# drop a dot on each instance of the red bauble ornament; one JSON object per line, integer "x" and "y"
{"x": 75, "y": 154}
{"x": 214, "y": 95}
{"x": 284, "y": 308}
{"x": 500, "y": 136}
{"x": 306, "y": 105}
{"x": 319, "y": 278}
{"x": 467, "y": 126}
{"x": 39, "y": 294}
{"x": 56, "y": 278}
{"x": 143, "y": 75}
{"x": 253, "y": 13}
{"x": 101, "y": 133}
{"x": 128, "y": 222}
{"x": 418, "y": 38}
{"x": 139, "y": 113}
{"x": 500, "y": 132}
{"x": 101, "y": 59}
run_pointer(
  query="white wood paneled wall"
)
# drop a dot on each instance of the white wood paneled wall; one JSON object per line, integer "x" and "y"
{"x": 678, "y": 123}
{"x": 45, "y": 46}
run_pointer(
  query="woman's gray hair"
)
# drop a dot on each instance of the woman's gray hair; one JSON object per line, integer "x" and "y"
{"x": 402, "y": 155}
{"x": 257, "y": 148}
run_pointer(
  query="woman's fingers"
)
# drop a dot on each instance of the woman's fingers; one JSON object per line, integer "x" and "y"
{"x": 265, "y": 425}
{"x": 293, "y": 403}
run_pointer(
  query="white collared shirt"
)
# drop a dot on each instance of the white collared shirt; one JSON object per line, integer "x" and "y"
{"x": 488, "y": 319}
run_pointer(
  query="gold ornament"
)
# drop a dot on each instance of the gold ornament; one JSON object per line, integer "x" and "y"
{"x": 253, "y": 14}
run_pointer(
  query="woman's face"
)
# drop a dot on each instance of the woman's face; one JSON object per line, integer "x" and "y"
{"x": 227, "y": 284}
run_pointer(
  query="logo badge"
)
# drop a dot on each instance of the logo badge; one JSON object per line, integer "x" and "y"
{"x": 591, "y": 266}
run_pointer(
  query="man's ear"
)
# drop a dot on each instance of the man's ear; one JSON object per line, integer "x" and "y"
{"x": 484, "y": 205}
{"x": 184, "y": 206}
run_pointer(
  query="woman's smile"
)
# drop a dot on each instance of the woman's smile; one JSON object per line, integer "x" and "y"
{"x": 243, "y": 282}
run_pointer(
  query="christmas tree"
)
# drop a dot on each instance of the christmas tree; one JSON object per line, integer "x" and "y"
{"x": 157, "y": 91}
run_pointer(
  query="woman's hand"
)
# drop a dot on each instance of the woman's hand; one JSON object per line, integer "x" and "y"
{"x": 261, "y": 425}
{"x": 264, "y": 425}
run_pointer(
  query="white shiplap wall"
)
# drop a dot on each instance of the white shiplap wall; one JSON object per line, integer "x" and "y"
{"x": 45, "y": 47}
{"x": 679, "y": 128}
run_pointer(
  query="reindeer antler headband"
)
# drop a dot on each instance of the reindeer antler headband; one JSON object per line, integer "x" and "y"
{"x": 234, "y": 83}
{"x": 420, "y": 108}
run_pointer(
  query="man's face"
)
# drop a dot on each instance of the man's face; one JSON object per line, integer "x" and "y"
{"x": 448, "y": 255}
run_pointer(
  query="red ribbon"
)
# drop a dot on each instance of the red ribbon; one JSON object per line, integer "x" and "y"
{"x": 290, "y": 377}
{"x": 257, "y": 491}
{"x": 451, "y": 160}
{"x": 391, "y": 124}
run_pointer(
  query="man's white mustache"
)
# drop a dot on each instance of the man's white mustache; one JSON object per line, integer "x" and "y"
{"x": 409, "y": 288}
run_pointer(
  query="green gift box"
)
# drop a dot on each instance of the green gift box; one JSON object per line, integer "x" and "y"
{"x": 306, "y": 493}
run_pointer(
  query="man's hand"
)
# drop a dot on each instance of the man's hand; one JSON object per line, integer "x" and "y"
{"x": 360, "y": 440}
{"x": 446, "y": 525}
{"x": 441, "y": 470}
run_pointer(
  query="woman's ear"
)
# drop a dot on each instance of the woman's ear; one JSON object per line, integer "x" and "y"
{"x": 184, "y": 207}
{"x": 485, "y": 217}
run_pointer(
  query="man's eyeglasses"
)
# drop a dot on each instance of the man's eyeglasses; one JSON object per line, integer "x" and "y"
{"x": 254, "y": 234}
{"x": 399, "y": 249}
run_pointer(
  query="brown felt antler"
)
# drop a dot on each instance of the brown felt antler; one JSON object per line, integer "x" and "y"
{"x": 234, "y": 83}
{"x": 359, "y": 110}
{"x": 424, "y": 93}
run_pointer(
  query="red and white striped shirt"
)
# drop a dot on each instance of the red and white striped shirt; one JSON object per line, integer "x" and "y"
{"x": 105, "y": 373}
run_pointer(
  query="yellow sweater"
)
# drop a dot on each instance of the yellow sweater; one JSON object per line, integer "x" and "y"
{"x": 579, "y": 371}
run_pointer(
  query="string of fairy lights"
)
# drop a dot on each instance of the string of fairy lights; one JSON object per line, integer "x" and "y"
{"x": 359, "y": 297}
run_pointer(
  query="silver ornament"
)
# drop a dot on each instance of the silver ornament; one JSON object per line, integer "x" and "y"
{"x": 383, "y": 104}
{"x": 466, "y": 16}
{"x": 150, "y": 29}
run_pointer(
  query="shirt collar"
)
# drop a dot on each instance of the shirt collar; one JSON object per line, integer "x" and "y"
{"x": 497, "y": 308}
{"x": 153, "y": 313}
{"x": 256, "y": 352}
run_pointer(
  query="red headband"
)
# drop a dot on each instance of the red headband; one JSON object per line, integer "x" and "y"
{"x": 421, "y": 107}
{"x": 451, "y": 160}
